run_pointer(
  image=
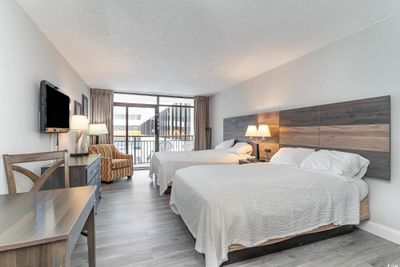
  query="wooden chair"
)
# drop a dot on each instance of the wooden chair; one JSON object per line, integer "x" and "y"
{"x": 10, "y": 161}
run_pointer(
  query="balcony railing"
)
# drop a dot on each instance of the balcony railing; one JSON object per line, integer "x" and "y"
{"x": 143, "y": 147}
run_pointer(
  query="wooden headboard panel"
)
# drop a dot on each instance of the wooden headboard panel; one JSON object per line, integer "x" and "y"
{"x": 361, "y": 126}
{"x": 236, "y": 128}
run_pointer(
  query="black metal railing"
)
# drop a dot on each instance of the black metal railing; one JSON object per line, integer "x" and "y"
{"x": 143, "y": 147}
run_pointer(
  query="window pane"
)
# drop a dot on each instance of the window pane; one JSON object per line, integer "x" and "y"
{"x": 138, "y": 99}
{"x": 141, "y": 121}
{"x": 120, "y": 128}
{"x": 176, "y": 128}
{"x": 176, "y": 101}
{"x": 176, "y": 121}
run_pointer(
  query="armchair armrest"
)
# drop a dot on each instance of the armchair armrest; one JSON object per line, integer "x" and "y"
{"x": 119, "y": 155}
{"x": 106, "y": 163}
{"x": 106, "y": 169}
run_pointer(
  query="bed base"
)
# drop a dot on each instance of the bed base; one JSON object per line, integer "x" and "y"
{"x": 254, "y": 252}
{"x": 240, "y": 253}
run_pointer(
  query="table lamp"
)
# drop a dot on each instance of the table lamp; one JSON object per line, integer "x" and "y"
{"x": 257, "y": 135}
{"x": 97, "y": 129}
{"x": 80, "y": 124}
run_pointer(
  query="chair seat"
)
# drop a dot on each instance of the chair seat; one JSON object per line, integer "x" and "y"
{"x": 120, "y": 163}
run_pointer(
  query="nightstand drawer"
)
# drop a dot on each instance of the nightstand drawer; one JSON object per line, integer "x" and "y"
{"x": 93, "y": 171}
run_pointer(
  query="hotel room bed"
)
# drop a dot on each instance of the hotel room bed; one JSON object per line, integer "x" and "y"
{"x": 261, "y": 204}
{"x": 164, "y": 164}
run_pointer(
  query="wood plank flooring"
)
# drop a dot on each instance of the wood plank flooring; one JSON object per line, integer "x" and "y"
{"x": 135, "y": 227}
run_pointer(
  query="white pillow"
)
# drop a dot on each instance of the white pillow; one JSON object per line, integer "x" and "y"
{"x": 348, "y": 165}
{"x": 361, "y": 173}
{"x": 225, "y": 145}
{"x": 291, "y": 156}
{"x": 241, "y": 148}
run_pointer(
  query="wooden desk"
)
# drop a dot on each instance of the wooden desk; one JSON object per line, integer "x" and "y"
{"x": 41, "y": 228}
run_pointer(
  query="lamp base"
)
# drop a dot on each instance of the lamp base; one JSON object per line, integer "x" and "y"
{"x": 258, "y": 152}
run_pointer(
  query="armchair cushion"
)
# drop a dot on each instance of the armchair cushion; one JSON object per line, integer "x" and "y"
{"x": 120, "y": 163}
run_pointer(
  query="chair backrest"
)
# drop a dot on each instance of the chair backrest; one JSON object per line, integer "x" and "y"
{"x": 10, "y": 161}
{"x": 106, "y": 150}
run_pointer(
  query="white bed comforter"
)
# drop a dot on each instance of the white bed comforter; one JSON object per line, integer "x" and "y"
{"x": 250, "y": 204}
{"x": 165, "y": 164}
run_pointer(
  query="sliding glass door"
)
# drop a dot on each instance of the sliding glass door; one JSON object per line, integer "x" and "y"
{"x": 144, "y": 124}
{"x": 120, "y": 128}
{"x": 141, "y": 135}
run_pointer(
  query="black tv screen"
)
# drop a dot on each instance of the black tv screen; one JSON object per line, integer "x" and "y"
{"x": 54, "y": 109}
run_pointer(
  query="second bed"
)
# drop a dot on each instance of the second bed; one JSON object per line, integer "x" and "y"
{"x": 240, "y": 206}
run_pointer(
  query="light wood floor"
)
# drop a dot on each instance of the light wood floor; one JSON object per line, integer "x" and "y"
{"x": 135, "y": 227}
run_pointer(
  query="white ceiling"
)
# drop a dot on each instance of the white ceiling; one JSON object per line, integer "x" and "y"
{"x": 191, "y": 47}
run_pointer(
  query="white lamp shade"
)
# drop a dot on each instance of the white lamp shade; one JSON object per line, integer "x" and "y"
{"x": 263, "y": 131}
{"x": 98, "y": 129}
{"x": 79, "y": 122}
{"x": 251, "y": 131}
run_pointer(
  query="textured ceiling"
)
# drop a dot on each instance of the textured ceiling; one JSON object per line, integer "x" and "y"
{"x": 194, "y": 46}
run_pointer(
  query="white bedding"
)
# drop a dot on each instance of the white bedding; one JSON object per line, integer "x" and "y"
{"x": 253, "y": 203}
{"x": 165, "y": 164}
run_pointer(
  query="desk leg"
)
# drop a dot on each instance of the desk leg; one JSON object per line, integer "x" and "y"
{"x": 91, "y": 241}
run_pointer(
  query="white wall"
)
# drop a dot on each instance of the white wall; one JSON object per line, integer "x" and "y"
{"x": 366, "y": 64}
{"x": 26, "y": 58}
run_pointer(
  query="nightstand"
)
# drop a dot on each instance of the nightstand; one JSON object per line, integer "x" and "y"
{"x": 84, "y": 170}
{"x": 247, "y": 161}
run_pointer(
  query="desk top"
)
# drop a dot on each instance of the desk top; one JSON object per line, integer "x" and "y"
{"x": 41, "y": 217}
{"x": 83, "y": 160}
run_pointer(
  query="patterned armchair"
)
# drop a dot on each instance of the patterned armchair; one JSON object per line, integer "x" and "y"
{"x": 114, "y": 164}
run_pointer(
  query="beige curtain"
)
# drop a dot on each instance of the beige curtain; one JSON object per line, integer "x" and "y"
{"x": 200, "y": 122}
{"x": 102, "y": 106}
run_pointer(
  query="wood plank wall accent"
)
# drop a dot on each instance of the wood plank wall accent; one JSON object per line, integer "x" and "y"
{"x": 300, "y": 127}
{"x": 236, "y": 127}
{"x": 360, "y": 126}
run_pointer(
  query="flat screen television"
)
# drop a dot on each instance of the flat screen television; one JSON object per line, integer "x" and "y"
{"x": 54, "y": 109}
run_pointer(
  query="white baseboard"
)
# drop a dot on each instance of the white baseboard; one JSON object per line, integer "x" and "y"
{"x": 380, "y": 230}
